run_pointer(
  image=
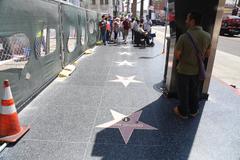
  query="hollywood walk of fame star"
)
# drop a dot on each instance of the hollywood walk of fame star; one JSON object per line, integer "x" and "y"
{"x": 126, "y": 124}
{"x": 125, "y": 47}
{"x": 125, "y": 53}
{"x": 125, "y": 63}
{"x": 125, "y": 80}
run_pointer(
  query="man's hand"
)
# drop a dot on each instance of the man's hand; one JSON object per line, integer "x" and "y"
{"x": 177, "y": 54}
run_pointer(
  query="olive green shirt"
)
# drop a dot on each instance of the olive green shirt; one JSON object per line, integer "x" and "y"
{"x": 188, "y": 64}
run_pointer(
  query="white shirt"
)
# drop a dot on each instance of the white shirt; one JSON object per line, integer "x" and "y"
{"x": 134, "y": 25}
{"x": 147, "y": 25}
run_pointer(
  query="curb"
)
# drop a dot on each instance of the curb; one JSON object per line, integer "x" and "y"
{"x": 69, "y": 69}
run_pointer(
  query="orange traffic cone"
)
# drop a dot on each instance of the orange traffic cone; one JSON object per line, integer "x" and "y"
{"x": 10, "y": 129}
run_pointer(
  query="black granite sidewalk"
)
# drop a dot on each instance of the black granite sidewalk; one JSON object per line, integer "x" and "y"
{"x": 109, "y": 109}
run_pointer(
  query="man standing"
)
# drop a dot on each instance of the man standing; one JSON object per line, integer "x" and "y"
{"x": 147, "y": 25}
{"x": 135, "y": 26}
{"x": 102, "y": 26}
{"x": 132, "y": 25}
{"x": 188, "y": 82}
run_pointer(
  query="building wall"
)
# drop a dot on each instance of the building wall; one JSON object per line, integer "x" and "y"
{"x": 108, "y": 6}
{"x": 158, "y": 5}
{"x": 75, "y": 2}
{"x": 101, "y": 6}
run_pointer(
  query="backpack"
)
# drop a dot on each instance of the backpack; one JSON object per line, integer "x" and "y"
{"x": 126, "y": 25}
{"x": 102, "y": 25}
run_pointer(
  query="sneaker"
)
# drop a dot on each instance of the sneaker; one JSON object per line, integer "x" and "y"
{"x": 177, "y": 112}
{"x": 194, "y": 114}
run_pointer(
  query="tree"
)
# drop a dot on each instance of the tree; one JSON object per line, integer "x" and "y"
{"x": 134, "y": 8}
{"x": 150, "y": 11}
{"x": 141, "y": 10}
{"x": 128, "y": 5}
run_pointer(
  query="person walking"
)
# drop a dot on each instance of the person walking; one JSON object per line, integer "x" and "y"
{"x": 132, "y": 24}
{"x": 116, "y": 29}
{"x": 126, "y": 27}
{"x": 121, "y": 30}
{"x": 188, "y": 67}
{"x": 108, "y": 30}
{"x": 110, "y": 19}
{"x": 136, "y": 33}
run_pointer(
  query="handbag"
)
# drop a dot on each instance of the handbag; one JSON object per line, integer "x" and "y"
{"x": 198, "y": 53}
{"x": 153, "y": 35}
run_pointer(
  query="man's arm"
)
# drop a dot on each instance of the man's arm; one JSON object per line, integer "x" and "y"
{"x": 207, "y": 54}
{"x": 150, "y": 22}
{"x": 179, "y": 47}
{"x": 208, "y": 51}
{"x": 177, "y": 53}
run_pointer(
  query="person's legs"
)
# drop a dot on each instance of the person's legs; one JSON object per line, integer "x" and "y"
{"x": 194, "y": 94}
{"x": 147, "y": 39}
{"x": 107, "y": 36}
{"x": 137, "y": 38}
{"x": 110, "y": 35}
{"x": 125, "y": 35}
{"x": 183, "y": 91}
{"x": 115, "y": 35}
{"x": 132, "y": 35}
{"x": 103, "y": 35}
{"x": 142, "y": 40}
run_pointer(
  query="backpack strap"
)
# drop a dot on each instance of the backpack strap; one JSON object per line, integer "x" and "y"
{"x": 194, "y": 43}
{"x": 198, "y": 53}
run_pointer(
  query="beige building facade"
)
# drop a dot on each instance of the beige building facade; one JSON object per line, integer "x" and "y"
{"x": 112, "y": 7}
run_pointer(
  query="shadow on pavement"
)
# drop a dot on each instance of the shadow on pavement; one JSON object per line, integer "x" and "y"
{"x": 173, "y": 139}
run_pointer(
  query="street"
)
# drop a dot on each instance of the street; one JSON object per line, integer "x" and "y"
{"x": 229, "y": 44}
{"x": 227, "y": 60}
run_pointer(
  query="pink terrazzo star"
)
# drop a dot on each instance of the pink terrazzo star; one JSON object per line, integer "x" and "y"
{"x": 126, "y": 124}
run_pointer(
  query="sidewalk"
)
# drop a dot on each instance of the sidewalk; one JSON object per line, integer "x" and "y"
{"x": 109, "y": 110}
{"x": 226, "y": 66}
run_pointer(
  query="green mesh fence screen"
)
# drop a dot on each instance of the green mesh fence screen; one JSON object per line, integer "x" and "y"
{"x": 37, "y": 39}
{"x": 92, "y": 28}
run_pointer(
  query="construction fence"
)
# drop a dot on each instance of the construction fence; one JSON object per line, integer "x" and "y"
{"x": 38, "y": 38}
